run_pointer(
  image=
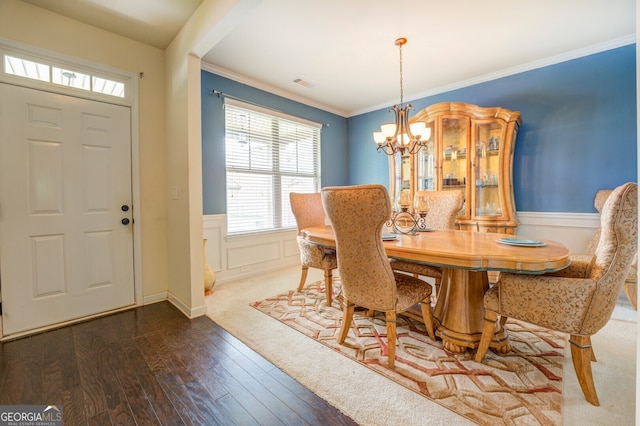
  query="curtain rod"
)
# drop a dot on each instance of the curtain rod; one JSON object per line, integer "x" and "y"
{"x": 226, "y": 95}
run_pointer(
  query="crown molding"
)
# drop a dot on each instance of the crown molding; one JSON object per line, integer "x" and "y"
{"x": 575, "y": 54}
{"x": 269, "y": 88}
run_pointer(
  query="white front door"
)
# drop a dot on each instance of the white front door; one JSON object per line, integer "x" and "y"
{"x": 66, "y": 248}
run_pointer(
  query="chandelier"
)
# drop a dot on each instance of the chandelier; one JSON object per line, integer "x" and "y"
{"x": 401, "y": 136}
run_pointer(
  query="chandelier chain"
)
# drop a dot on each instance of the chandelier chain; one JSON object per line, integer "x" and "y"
{"x": 401, "y": 86}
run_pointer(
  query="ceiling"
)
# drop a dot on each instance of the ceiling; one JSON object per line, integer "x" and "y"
{"x": 344, "y": 51}
{"x": 152, "y": 22}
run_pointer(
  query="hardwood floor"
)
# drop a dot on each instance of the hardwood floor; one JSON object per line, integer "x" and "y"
{"x": 152, "y": 365}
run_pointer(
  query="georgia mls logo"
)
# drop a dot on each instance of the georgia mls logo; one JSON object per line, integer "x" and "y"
{"x": 30, "y": 415}
{"x": 55, "y": 409}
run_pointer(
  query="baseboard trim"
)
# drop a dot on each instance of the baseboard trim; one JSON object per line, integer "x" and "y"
{"x": 156, "y": 297}
{"x": 184, "y": 308}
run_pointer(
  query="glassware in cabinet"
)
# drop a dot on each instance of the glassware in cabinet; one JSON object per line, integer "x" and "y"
{"x": 487, "y": 166}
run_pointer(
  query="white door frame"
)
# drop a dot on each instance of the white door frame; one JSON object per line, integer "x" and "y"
{"x": 131, "y": 100}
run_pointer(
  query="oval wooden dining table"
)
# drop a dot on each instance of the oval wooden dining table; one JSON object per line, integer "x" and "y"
{"x": 465, "y": 257}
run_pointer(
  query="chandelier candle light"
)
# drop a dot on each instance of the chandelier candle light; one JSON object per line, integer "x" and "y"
{"x": 401, "y": 136}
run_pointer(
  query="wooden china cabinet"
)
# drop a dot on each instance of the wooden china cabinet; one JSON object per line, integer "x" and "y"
{"x": 470, "y": 150}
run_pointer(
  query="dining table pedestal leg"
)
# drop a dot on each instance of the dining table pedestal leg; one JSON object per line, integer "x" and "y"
{"x": 459, "y": 312}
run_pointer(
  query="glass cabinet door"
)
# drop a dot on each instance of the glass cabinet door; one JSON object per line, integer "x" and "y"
{"x": 426, "y": 161}
{"x": 487, "y": 169}
{"x": 455, "y": 136}
{"x": 400, "y": 181}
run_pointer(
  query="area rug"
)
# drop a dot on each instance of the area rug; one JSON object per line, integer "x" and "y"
{"x": 522, "y": 387}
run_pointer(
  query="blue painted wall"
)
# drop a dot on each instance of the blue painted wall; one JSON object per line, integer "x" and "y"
{"x": 578, "y": 133}
{"x": 334, "y": 162}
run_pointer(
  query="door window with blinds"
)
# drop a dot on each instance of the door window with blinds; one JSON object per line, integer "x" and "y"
{"x": 268, "y": 155}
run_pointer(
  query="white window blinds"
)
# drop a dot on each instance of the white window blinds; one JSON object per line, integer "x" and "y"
{"x": 268, "y": 155}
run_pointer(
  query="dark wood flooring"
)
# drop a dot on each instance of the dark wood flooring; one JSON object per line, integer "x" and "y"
{"x": 152, "y": 365}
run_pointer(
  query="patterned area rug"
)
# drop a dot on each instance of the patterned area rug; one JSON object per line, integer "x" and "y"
{"x": 522, "y": 387}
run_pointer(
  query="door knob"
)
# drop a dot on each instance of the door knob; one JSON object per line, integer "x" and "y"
{"x": 124, "y": 207}
{"x": 125, "y": 221}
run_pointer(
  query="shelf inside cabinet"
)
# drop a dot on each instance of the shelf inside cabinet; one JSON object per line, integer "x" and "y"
{"x": 463, "y": 155}
{"x": 460, "y": 156}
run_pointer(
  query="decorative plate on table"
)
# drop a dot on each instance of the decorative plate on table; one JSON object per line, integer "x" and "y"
{"x": 522, "y": 242}
{"x": 389, "y": 237}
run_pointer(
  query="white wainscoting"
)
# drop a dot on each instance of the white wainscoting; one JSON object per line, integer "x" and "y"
{"x": 240, "y": 257}
{"x": 574, "y": 230}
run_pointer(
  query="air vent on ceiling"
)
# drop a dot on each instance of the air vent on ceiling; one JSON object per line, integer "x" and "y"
{"x": 303, "y": 83}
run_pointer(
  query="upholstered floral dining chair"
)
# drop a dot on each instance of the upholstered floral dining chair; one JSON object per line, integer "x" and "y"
{"x": 443, "y": 209}
{"x": 308, "y": 211}
{"x": 579, "y": 300}
{"x": 358, "y": 214}
{"x": 631, "y": 283}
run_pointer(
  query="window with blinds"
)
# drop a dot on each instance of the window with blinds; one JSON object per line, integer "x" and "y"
{"x": 268, "y": 156}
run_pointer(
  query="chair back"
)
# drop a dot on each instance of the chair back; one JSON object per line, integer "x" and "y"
{"x": 598, "y": 203}
{"x": 357, "y": 214}
{"x": 616, "y": 249}
{"x": 444, "y": 206}
{"x": 307, "y": 209}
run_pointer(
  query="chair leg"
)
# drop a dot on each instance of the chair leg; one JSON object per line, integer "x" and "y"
{"x": 303, "y": 277}
{"x": 390, "y": 317}
{"x": 328, "y": 285}
{"x": 581, "y": 354}
{"x": 427, "y": 317}
{"x": 347, "y": 317}
{"x": 436, "y": 286}
{"x": 490, "y": 319}
{"x": 593, "y": 354}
